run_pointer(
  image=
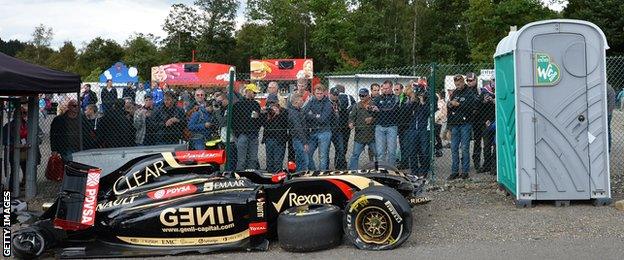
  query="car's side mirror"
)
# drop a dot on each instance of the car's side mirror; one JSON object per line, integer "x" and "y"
{"x": 292, "y": 166}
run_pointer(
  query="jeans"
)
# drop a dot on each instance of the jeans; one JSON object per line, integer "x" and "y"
{"x": 340, "y": 148}
{"x": 460, "y": 135}
{"x": 198, "y": 143}
{"x": 358, "y": 148}
{"x": 489, "y": 149}
{"x": 275, "y": 149}
{"x": 403, "y": 148}
{"x": 247, "y": 147}
{"x": 419, "y": 152}
{"x": 301, "y": 158}
{"x": 386, "y": 141}
{"x": 230, "y": 162}
{"x": 320, "y": 140}
{"x": 477, "y": 131}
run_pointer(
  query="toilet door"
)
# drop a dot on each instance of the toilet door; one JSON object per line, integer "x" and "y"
{"x": 561, "y": 119}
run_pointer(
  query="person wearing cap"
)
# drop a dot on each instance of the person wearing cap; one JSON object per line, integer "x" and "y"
{"x": 362, "y": 120}
{"x": 477, "y": 121}
{"x": 275, "y": 133}
{"x": 318, "y": 112}
{"x": 246, "y": 123}
{"x": 108, "y": 95}
{"x": 460, "y": 107}
{"x": 144, "y": 122}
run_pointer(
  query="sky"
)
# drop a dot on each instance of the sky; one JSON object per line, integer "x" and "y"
{"x": 79, "y": 21}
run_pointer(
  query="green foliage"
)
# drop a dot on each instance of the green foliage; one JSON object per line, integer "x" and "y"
{"x": 489, "y": 22}
{"x": 11, "y": 47}
{"x": 101, "y": 53}
{"x": 143, "y": 54}
{"x": 64, "y": 59}
{"x": 94, "y": 75}
{"x": 606, "y": 14}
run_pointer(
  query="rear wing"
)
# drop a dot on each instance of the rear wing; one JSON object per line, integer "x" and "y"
{"x": 77, "y": 200}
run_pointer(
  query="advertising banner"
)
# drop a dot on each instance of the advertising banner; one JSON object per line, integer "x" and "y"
{"x": 281, "y": 69}
{"x": 192, "y": 73}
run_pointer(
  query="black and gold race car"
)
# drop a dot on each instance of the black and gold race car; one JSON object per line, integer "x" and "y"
{"x": 180, "y": 202}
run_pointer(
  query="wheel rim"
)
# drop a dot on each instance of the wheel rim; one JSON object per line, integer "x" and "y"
{"x": 30, "y": 242}
{"x": 373, "y": 225}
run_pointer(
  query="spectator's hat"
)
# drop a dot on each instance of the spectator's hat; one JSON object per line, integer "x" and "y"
{"x": 252, "y": 87}
{"x": 363, "y": 92}
{"x": 471, "y": 76}
{"x": 148, "y": 95}
{"x": 334, "y": 91}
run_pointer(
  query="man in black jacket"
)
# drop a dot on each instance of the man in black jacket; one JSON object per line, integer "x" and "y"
{"x": 477, "y": 121}
{"x": 386, "y": 130}
{"x": 275, "y": 134}
{"x": 171, "y": 121}
{"x": 108, "y": 95}
{"x": 460, "y": 106}
{"x": 246, "y": 123}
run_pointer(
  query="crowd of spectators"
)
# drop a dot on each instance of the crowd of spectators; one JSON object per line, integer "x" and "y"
{"x": 391, "y": 121}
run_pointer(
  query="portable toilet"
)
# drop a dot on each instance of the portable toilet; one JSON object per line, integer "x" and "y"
{"x": 551, "y": 113}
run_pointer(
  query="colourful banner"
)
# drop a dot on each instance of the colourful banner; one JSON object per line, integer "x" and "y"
{"x": 192, "y": 73}
{"x": 281, "y": 69}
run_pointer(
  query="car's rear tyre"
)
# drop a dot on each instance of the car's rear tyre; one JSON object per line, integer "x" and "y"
{"x": 378, "y": 218}
{"x": 310, "y": 228}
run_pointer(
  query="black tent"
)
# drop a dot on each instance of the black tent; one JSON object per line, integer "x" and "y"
{"x": 19, "y": 78}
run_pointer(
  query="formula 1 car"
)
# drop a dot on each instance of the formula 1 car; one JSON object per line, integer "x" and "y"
{"x": 180, "y": 202}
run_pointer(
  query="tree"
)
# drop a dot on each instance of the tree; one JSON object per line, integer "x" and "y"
{"x": 11, "y": 47}
{"x": 64, "y": 59}
{"x": 606, "y": 14}
{"x": 488, "y": 23}
{"x": 38, "y": 50}
{"x": 248, "y": 44}
{"x": 142, "y": 53}
{"x": 98, "y": 53}
{"x": 182, "y": 28}
{"x": 215, "y": 32}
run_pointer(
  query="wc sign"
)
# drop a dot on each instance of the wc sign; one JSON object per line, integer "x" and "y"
{"x": 547, "y": 72}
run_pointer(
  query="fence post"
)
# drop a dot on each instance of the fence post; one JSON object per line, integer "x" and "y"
{"x": 30, "y": 176}
{"x": 15, "y": 163}
{"x": 229, "y": 113}
{"x": 432, "y": 106}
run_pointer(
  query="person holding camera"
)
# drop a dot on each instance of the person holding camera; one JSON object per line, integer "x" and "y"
{"x": 460, "y": 108}
{"x": 201, "y": 124}
{"x": 275, "y": 133}
{"x": 361, "y": 119}
{"x": 487, "y": 99}
{"x": 417, "y": 135}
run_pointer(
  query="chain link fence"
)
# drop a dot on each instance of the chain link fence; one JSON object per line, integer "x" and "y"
{"x": 395, "y": 116}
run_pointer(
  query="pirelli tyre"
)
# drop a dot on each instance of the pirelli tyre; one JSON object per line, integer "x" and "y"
{"x": 377, "y": 218}
{"x": 310, "y": 228}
